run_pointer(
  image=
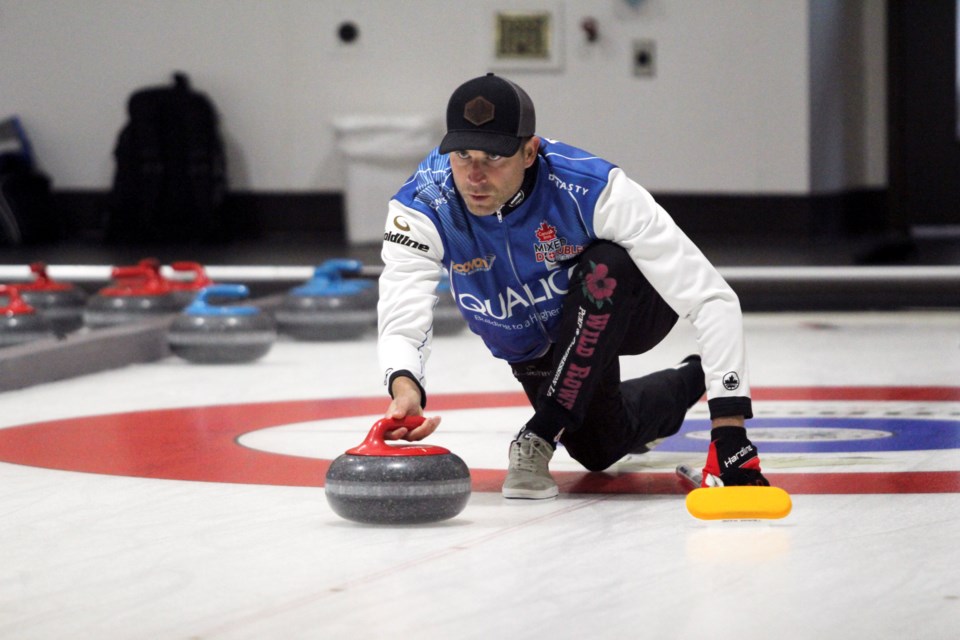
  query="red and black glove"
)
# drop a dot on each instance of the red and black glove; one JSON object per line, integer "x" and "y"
{"x": 732, "y": 460}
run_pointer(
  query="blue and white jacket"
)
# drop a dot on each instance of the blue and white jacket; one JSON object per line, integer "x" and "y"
{"x": 504, "y": 271}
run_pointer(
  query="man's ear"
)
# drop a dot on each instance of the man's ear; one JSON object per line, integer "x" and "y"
{"x": 530, "y": 151}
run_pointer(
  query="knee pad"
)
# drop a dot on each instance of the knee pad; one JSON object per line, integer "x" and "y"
{"x": 591, "y": 457}
{"x": 609, "y": 253}
{"x": 617, "y": 265}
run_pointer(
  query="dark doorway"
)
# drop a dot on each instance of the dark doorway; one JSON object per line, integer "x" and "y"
{"x": 924, "y": 147}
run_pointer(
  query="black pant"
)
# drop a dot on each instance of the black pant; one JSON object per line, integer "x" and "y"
{"x": 610, "y": 310}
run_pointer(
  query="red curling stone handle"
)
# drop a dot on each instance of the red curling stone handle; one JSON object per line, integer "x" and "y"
{"x": 374, "y": 445}
{"x": 15, "y": 304}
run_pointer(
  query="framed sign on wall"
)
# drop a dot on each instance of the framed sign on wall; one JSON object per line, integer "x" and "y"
{"x": 527, "y": 37}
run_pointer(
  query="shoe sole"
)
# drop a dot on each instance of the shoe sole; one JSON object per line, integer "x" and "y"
{"x": 526, "y": 494}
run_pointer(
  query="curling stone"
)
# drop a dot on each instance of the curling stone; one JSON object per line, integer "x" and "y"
{"x": 447, "y": 318}
{"x": 377, "y": 483}
{"x": 212, "y": 333}
{"x": 19, "y": 322}
{"x": 185, "y": 290}
{"x": 138, "y": 293}
{"x": 60, "y": 303}
{"x": 189, "y": 278}
{"x": 328, "y": 306}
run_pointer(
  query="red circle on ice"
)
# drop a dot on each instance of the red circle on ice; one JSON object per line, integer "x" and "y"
{"x": 200, "y": 444}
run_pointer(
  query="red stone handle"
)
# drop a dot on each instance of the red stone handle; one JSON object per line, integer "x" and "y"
{"x": 374, "y": 444}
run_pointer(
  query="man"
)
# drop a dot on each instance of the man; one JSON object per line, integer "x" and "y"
{"x": 561, "y": 264}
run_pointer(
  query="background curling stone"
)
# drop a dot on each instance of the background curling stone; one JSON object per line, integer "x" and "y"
{"x": 182, "y": 288}
{"x": 328, "y": 306}
{"x": 19, "y": 322}
{"x": 60, "y": 303}
{"x": 447, "y": 319}
{"x": 210, "y": 333}
{"x": 185, "y": 290}
{"x": 138, "y": 293}
{"x": 377, "y": 483}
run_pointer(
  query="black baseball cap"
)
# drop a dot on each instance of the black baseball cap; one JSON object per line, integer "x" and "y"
{"x": 489, "y": 114}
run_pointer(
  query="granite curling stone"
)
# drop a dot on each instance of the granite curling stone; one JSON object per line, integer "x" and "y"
{"x": 19, "y": 322}
{"x": 62, "y": 304}
{"x": 377, "y": 483}
{"x": 209, "y": 332}
{"x": 188, "y": 278}
{"x": 138, "y": 293}
{"x": 329, "y": 306}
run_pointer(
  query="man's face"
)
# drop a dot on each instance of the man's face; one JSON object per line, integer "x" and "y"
{"x": 487, "y": 181}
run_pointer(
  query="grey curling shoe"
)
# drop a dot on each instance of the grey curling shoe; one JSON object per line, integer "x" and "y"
{"x": 528, "y": 476}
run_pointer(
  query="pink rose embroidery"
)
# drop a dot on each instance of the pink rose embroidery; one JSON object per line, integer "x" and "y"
{"x": 597, "y": 286}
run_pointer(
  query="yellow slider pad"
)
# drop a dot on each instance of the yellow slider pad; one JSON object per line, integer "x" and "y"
{"x": 739, "y": 503}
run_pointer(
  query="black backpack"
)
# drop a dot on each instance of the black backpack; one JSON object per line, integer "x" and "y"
{"x": 28, "y": 214}
{"x": 170, "y": 183}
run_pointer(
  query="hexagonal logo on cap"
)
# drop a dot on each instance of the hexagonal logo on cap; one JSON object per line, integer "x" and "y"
{"x": 478, "y": 111}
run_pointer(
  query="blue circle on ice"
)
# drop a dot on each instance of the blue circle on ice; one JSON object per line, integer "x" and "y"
{"x": 828, "y": 435}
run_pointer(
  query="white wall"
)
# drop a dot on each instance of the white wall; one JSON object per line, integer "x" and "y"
{"x": 728, "y": 111}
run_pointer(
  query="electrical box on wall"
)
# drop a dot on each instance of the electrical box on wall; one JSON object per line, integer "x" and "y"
{"x": 644, "y": 58}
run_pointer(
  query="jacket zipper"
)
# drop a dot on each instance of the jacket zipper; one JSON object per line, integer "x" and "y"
{"x": 526, "y": 290}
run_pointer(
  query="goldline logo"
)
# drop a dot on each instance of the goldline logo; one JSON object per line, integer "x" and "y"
{"x": 405, "y": 241}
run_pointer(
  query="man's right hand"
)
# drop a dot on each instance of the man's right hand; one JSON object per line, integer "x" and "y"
{"x": 406, "y": 402}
